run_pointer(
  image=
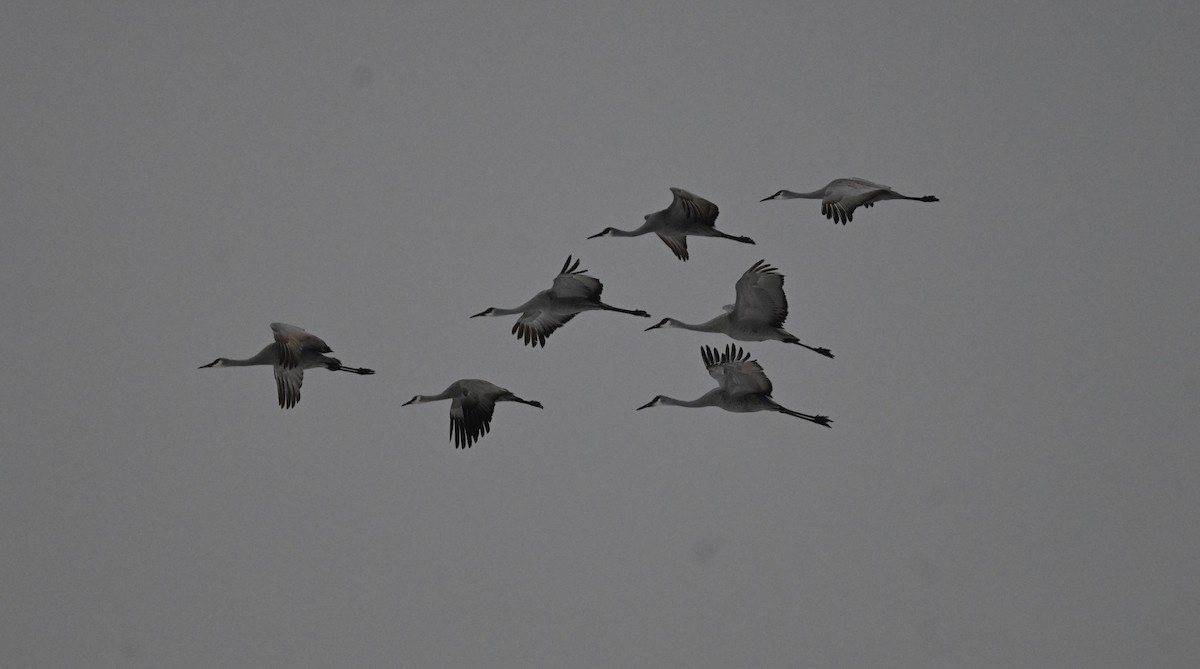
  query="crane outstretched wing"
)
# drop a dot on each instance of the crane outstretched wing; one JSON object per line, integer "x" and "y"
{"x": 735, "y": 372}
{"x": 692, "y": 207}
{"x": 572, "y": 282}
{"x": 291, "y": 341}
{"x": 287, "y": 383}
{"x": 470, "y": 419}
{"x": 843, "y": 196}
{"x": 760, "y": 296}
{"x": 677, "y": 244}
{"x": 534, "y": 326}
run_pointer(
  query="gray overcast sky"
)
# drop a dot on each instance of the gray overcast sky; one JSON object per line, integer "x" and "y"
{"x": 1011, "y": 480}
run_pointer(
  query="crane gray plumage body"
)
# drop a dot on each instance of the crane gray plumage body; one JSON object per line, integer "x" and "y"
{"x": 473, "y": 401}
{"x": 688, "y": 215}
{"x": 293, "y": 351}
{"x": 573, "y": 292}
{"x": 840, "y": 197}
{"x": 757, "y": 313}
{"x": 742, "y": 387}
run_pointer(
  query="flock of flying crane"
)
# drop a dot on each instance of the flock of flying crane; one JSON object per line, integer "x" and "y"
{"x": 757, "y": 314}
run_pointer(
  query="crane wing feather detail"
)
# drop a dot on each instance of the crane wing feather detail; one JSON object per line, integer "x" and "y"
{"x": 287, "y": 383}
{"x": 534, "y": 326}
{"x": 693, "y": 208}
{"x": 760, "y": 296}
{"x": 735, "y": 372}
{"x": 677, "y": 244}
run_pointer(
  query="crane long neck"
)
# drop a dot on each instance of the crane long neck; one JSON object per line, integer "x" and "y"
{"x": 813, "y": 195}
{"x": 715, "y": 325}
{"x": 446, "y": 394}
{"x": 497, "y": 311}
{"x": 642, "y": 229}
{"x": 702, "y": 401}
{"x": 264, "y": 357}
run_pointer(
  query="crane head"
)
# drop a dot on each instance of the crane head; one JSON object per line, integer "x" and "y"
{"x": 664, "y": 323}
{"x": 219, "y": 362}
{"x": 652, "y": 403}
{"x": 777, "y": 196}
{"x": 602, "y": 233}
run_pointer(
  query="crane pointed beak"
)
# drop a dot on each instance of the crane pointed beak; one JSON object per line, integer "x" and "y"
{"x": 598, "y": 234}
{"x": 769, "y": 197}
{"x": 482, "y": 313}
{"x": 208, "y": 365}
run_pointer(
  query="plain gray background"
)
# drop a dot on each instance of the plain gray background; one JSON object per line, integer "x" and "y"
{"x": 1011, "y": 477}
